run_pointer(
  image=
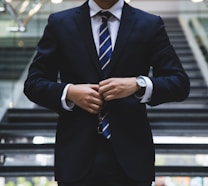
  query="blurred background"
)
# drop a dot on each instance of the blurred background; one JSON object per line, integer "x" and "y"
{"x": 27, "y": 131}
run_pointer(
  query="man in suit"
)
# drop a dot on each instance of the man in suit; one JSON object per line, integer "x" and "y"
{"x": 66, "y": 76}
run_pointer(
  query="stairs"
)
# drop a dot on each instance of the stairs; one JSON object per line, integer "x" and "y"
{"x": 13, "y": 61}
{"x": 189, "y": 118}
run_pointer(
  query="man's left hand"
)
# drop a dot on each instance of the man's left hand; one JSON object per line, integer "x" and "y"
{"x": 114, "y": 88}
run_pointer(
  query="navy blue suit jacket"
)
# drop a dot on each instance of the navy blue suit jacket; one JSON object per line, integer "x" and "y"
{"x": 67, "y": 51}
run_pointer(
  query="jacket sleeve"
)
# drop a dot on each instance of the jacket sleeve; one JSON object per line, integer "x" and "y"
{"x": 170, "y": 82}
{"x": 41, "y": 85}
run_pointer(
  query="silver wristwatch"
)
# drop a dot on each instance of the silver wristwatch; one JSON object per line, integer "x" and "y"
{"x": 142, "y": 86}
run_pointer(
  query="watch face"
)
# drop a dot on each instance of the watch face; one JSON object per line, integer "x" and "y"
{"x": 141, "y": 82}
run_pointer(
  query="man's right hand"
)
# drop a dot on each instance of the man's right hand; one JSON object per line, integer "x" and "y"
{"x": 86, "y": 96}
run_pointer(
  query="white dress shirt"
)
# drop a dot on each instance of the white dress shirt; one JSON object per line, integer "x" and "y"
{"x": 113, "y": 26}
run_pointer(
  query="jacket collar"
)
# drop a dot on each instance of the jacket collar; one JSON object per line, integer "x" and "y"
{"x": 84, "y": 26}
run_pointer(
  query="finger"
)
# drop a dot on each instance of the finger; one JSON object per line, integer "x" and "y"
{"x": 94, "y": 86}
{"x": 108, "y": 91}
{"x": 104, "y": 88}
{"x": 104, "y": 82}
{"x": 97, "y": 101}
{"x": 94, "y": 108}
{"x": 109, "y": 97}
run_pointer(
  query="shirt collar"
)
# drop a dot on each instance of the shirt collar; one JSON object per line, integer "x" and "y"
{"x": 116, "y": 9}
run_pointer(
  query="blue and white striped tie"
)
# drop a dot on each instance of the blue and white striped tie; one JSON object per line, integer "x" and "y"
{"x": 105, "y": 53}
{"x": 105, "y": 50}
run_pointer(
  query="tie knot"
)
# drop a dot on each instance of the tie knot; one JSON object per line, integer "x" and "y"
{"x": 105, "y": 16}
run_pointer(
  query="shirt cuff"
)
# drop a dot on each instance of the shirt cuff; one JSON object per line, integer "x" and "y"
{"x": 66, "y": 104}
{"x": 148, "y": 92}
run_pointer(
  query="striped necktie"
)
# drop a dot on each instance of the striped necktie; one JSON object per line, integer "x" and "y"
{"x": 105, "y": 49}
{"x": 105, "y": 53}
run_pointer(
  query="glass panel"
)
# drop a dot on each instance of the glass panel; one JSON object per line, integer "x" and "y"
{"x": 199, "y": 26}
{"x": 17, "y": 48}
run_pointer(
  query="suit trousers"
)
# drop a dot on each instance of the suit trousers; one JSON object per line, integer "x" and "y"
{"x": 106, "y": 171}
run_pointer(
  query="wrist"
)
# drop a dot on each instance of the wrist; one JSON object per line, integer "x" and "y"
{"x": 69, "y": 93}
{"x": 142, "y": 84}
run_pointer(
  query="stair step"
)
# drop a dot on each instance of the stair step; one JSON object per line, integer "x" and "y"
{"x": 13, "y": 61}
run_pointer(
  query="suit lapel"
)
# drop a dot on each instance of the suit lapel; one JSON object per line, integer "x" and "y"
{"x": 125, "y": 29}
{"x": 83, "y": 22}
{"x": 84, "y": 27}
